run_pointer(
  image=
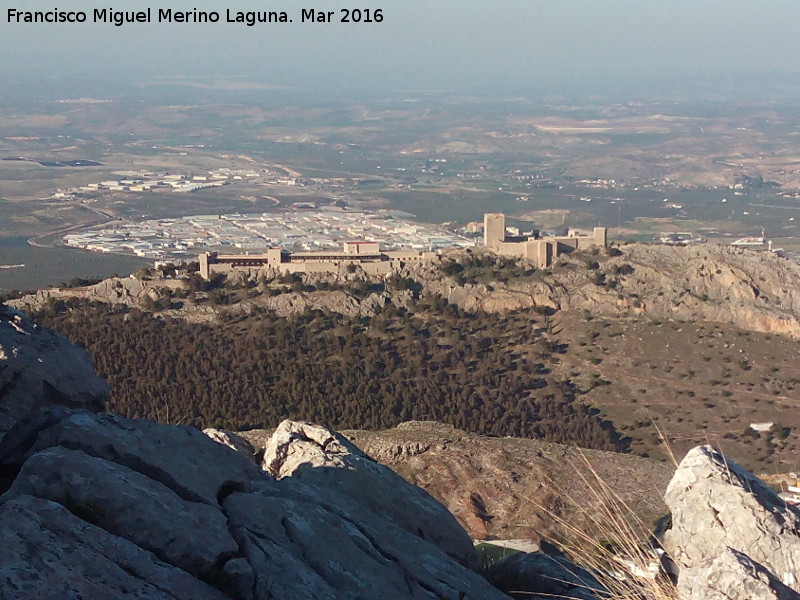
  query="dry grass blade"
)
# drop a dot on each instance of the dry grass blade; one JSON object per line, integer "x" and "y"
{"x": 664, "y": 443}
{"x": 613, "y": 544}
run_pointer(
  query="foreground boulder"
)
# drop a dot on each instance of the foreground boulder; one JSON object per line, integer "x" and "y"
{"x": 732, "y": 536}
{"x": 49, "y": 553}
{"x": 328, "y": 461}
{"x": 38, "y": 368}
{"x": 97, "y": 506}
{"x": 733, "y": 575}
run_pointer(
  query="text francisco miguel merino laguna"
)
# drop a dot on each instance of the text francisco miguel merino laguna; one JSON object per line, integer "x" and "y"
{"x": 169, "y": 15}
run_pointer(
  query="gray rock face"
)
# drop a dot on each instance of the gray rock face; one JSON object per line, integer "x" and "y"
{"x": 97, "y": 506}
{"x": 129, "y": 505}
{"x": 703, "y": 282}
{"x": 181, "y": 458}
{"x": 115, "y": 290}
{"x": 41, "y": 368}
{"x": 537, "y": 575}
{"x": 733, "y": 575}
{"x": 341, "y": 551}
{"x": 231, "y": 440}
{"x": 48, "y": 553}
{"x": 725, "y": 518}
{"x": 328, "y": 461}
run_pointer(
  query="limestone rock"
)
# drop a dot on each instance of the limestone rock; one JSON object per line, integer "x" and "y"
{"x": 115, "y": 290}
{"x": 706, "y": 282}
{"x": 328, "y": 461}
{"x": 181, "y": 458}
{"x": 325, "y": 546}
{"x": 48, "y": 553}
{"x": 732, "y": 575}
{"x": 716, "y": 505}
{"x": 540, "y": 575}
{"x": 130, "y": 505}
{"x": 231, "y": 440}
{"x": 98, "y": 506}
{"x": 294, "y": 444}
{"x": 40, "y": 368}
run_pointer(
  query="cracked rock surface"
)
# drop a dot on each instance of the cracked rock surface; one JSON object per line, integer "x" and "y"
{"x": 730, "y": 532}
{"x": 97, "y": 506}
{"x": 733, "y": 575}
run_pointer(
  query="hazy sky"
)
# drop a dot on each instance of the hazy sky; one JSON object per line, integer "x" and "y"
{"x": 421, "y": 44}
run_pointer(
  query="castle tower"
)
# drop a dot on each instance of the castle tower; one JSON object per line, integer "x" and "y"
{"x": 494, "y": 229}
{"x": 601, "y": 236}
{"x": 205, "y": 273}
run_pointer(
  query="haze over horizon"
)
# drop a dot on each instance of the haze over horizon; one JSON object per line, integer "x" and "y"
{"x": 462, "y": 46}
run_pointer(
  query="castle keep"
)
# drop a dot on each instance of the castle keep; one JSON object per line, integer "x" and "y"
{"x": 541, "y": 251}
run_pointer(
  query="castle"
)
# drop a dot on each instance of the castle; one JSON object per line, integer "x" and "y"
{"x": 364, "y": 254}
{"x": 542, "y": 251}
{"x": 368, "y": 256}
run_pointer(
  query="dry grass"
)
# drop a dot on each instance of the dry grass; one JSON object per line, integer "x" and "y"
{"x": 615, "y": 546}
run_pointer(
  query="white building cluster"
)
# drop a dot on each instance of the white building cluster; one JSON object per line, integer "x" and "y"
{"x": 293, "y": 231}
{"x": 166, "y": 182}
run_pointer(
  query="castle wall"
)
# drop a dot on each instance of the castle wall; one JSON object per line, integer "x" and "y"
{"x": 310, "y": 262}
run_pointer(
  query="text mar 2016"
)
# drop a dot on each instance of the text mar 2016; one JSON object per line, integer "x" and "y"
{"x": 119, "y": 18}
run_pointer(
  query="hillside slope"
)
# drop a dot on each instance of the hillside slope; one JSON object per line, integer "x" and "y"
{"x": 504, "y": 488}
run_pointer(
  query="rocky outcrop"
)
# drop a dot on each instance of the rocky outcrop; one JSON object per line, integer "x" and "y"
{"x": 319, "y": 457}
{"x": 115, "y": 290}
{"x": 231, "y": 440}
{"x": 49, "y": 553}
{"x": 729, "y": 527}
{"x": 749, "y": 289}
{"x": 98, "y": 506}
{"x": 133, "y": 292}
{"x": 129, "y": 505}
{"x": 337, "y": 302}
{"x": 40, "y": 368}
{"x": 733, "y": 575}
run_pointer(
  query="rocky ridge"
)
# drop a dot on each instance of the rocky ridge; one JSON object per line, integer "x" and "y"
{"x": 133, "y": 292}
{"x": 708, "y": 282}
